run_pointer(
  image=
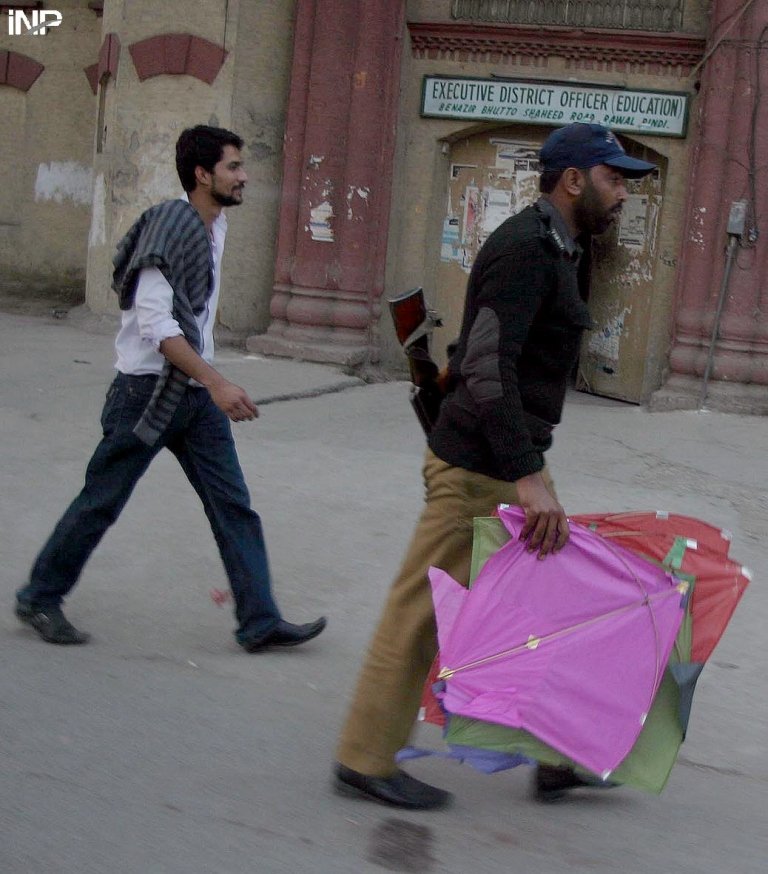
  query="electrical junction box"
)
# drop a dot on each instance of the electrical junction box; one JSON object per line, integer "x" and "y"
{"x": 737, "y": 218}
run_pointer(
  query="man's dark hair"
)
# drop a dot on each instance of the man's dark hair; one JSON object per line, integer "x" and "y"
{"x": 548, "y": 180}
{"x": 201, "y": 146}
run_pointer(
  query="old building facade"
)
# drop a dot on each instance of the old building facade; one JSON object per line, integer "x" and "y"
{"x": 385, "y": 139}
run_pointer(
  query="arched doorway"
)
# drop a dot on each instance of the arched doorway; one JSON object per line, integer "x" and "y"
{"x": 493, "y": 174}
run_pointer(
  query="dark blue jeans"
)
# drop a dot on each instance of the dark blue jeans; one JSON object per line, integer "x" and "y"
{"x": 200, "y": 437}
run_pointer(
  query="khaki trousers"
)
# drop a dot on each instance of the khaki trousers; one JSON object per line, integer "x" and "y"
{"x": 388, "y": 694}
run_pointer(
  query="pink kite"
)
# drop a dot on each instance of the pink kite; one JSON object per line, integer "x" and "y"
{"x": 572, "y": 648}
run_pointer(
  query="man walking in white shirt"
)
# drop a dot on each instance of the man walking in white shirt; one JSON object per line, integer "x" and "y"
{"x": 167, "y": 394}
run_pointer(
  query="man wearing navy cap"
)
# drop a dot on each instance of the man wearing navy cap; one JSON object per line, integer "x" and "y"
{"x": 519, "y": 340}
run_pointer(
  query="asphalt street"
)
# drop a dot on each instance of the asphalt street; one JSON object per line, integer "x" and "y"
{"x": 161, "y": 748}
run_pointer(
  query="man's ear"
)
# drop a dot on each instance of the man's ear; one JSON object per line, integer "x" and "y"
{"x": 202, "y": 177}
{"x": 573, "y": 181}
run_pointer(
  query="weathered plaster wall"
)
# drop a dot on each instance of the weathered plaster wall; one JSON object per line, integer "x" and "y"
{"x": 143, "y": 119}
{"x": 135, "y": 167}
{"x": 335, "y": 197}
{"x": 421, "y": 174}
{"x": 46, "y": 143}
{"x": 260, "y": 95}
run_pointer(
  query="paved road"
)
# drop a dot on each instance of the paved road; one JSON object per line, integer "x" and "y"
{"x": 163, "y": 749}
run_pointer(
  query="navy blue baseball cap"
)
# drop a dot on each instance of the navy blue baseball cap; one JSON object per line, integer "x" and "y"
{"x": 587, "y": 145}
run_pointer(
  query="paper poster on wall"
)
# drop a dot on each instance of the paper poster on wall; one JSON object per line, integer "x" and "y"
{"x": 498, "y": 208}
{"x": 633, "y": 221}
{"x": 604, "y": 342}
{"x": 471, "y": 213}
{"x": 526, "y": 188}
{"x": 449, "y": 249}
{"x": 320, "y": 222}
{"x": 516, "y": 156}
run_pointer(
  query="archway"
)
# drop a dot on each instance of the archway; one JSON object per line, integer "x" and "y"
{"x": 493, "y": 174}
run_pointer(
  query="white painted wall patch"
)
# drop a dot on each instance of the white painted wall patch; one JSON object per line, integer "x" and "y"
{"x": 64, "y": 180}
{"x": 98, "y": 232}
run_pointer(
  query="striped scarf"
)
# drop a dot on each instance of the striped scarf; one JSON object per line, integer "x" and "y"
{"x": 172, "y": 237}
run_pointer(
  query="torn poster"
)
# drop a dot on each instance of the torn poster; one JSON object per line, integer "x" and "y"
{"x": 320, "y": 222}
{"x": 632, "y": 224}
{"x": 449, "y": 250}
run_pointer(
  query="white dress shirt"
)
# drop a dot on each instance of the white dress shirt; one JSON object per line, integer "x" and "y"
{"x": 150, "y": 321}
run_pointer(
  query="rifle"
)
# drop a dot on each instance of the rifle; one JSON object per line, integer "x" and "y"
{"x": 414, "y": 324}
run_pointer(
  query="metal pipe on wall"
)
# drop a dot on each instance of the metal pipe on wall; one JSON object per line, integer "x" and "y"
{"x": 736, "y": 224}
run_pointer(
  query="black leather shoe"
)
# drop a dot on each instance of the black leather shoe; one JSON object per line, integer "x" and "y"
{"x": 51, "y": 624}
{"x": 399, "y": 790}
{"x": 286, "y": 634}
{"x": 553, "y": 784}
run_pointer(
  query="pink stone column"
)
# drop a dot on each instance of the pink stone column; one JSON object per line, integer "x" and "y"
{"x": 728, "y": 164}
{"x": 339, "y": 147}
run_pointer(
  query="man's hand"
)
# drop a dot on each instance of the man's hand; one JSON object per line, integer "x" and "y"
{"x": 546, "y": 525}
{"x": 233, "y": 401}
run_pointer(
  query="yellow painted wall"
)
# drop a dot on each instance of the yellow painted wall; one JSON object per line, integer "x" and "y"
{"x": 136, "y": 167}
{"x": 46, "y": 144}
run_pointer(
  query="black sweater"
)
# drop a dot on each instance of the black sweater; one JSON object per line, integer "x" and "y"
{"x": 523, "y": 319}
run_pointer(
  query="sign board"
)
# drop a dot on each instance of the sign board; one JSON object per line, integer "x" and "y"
{"x": 662, "y": 113}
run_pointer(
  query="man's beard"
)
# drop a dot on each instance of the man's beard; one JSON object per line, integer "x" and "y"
{"x": 590, "y": 215}
{"x": 226, "y": 199}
